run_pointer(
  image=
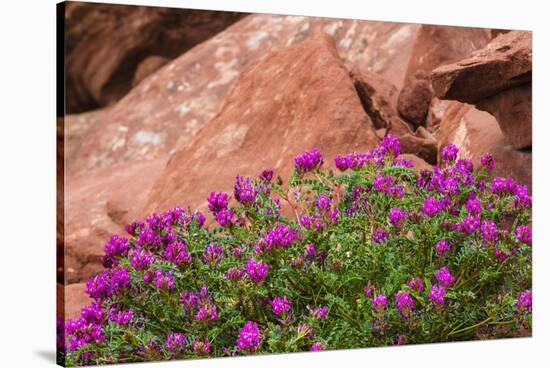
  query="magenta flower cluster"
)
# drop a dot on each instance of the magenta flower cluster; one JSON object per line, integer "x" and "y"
{"x": 122, "y": 317}
{"x": 449, "y": 153}
{"x": 444, "y": 277}
{"x": 438, "y": 291}
{"x": 380, "y": 255}
{"x": 397, "y": 217}
{"x": 324, "y": 207}
{"x": 353, "y": 161}
{"x": 317, "y": 346}
{"x": 390, "y": 144}
{"x": 380, "y": 302}
{"x": 244, "y": 191}
{"x": 177, "y": 253}
{"x": 470, "y": 224}
{"x": 416, "y": 284}
{"x": 161, "y": 279}
{"x": 320, "y": 312}
{"x": 431, "y": 207}
{"x": 386, "y": 185}
{"x": 437, "y": 294}
{"x": 488, "y": 161}
{"x": 175, "y": 341}
{"x": 212, "y": 254}
{"x": 217, "y": 202}
{"x": 281, "y": 305}
{"x": 524, "y": 302}
{"x": 489, "y": 231}
{"x": 108, "y": 283}
{"x": 523, "y": 234}
{"x": 308, "y": 161}
{"x": 380, "y": 235}
{"x": 442, "y": 247}
{"x": 250, "y": 337}
{"x": 404, "y": 302}
{"x": 282, "y": 236}
{"x": 256, "y": 270}
{"x": 81, "y": 332}
{"x": 200, "y": 305}
{"x": 266, "y": 175}
{"x": 234, "y": 274}
{"x": 201, "y": 347}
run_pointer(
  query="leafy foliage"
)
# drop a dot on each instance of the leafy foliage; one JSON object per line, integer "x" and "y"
{"x": 317, "y": 264}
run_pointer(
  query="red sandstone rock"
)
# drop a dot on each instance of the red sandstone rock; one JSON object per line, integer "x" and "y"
{"x": 106, "y": 42}
{"x": 98, "y": 205}
{"x": 414, "y": 99}
{"x": 440, "y": 45}
{"x": 422, "y": 147}
{"x": 292, "y": 100}
{"x": 497, "y": 80}
{"x": 476, "y": 132}
{"x": 168, "y": 108}
{"x": 147, "y": 67}
{"x": 513, "y": 111}
{"x": 60, "y": 198}
{"x": 435, "y": 114}
{"x": 379, "y": 100}
{"x": 377, "y": 95}
{"x": 504, "y": 63}
{"x": 434, "y": 46}
{"x": 75, "y": 298}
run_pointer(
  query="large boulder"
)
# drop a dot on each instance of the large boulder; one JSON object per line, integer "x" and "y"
{"x": 434, "y": 46}
{"x": 170, "y": 106}
{"x": 477, "y": 132}
{"x": 104, "y": 43}
{"x": 415, "y": 97}
{"x": 504, "y": 63}
{"x": 497, "y": 79}
{"x": 292, "y": 100}
{"x": 437, "y": 45}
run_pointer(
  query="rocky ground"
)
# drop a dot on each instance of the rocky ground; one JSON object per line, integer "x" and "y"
{"x": 248, "y": 92}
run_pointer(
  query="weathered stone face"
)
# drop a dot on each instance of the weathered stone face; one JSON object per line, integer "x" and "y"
{"x": 434, "y": 46}
{"x": 148, "y": 66}
{"x": 414, "y": 99}
{"x": 441, "y": 45}
{"x": 504, "y": 63}
{"x": 497, "y": 79}
{"x": 167, "y": 109}
{"x": 294, "y": 99}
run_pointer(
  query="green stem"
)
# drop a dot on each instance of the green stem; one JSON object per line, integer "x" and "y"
{"x": 473, "y": 327}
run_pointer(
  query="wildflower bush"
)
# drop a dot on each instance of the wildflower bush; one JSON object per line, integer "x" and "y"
{"x": 376, "y": 255}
